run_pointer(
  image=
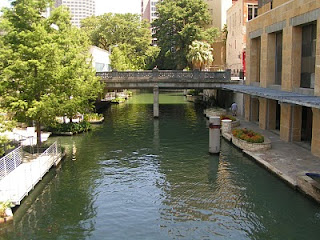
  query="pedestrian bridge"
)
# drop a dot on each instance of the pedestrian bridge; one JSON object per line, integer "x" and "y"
{"x": 170, "y": 79}
{"x": 167, "y": 79}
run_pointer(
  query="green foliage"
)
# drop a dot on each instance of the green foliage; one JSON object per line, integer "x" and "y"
{"x": 248, "y": 135}
{"x": 56, "y": 127}
{"x": 118, "y": 100}
{"x": 180, "y": 22}
{"x": 93, "y": 117}
{"x": 5, "y": 125}
{"x": 44, "y": 70}
{"x": 126, "y": 37}
{"x": 200, "y": 54}
{"x": 3, "y": 207}
{"x": 194, "y": 92}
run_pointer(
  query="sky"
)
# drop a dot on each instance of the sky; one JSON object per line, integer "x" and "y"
{"x": 104, "y": 6}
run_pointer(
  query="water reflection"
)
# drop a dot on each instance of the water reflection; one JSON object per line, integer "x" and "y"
{"x": 139, "y": 178}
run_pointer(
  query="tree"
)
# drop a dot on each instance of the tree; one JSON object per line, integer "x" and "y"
{"x": 126, "y": 36}
{"x": 45, "y": 70}
{"x": 200, "y": 54}
{"x": 179, "y": 23}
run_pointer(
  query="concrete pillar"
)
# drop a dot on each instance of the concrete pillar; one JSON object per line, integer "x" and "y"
{"x": 253, "y": 56}
{"x": 263, "y": 60}
{"x": 214, "y": 134}
{"x": 291, "y": 58}
{"x": 254, "y": 110}
{"x": 285, "y": 122}
{"x": 290, "y": 122}
{"x": 317, "y": 67}
{"x": 247, "y": 107}
{"x": 226, "y": 126}
{"x": 315, "y": 143}
{"x": 156, "y": 102}
{"x": 263, "y": 113}
{"x": 272, "y": 114}
{"x": 296, "y": 123}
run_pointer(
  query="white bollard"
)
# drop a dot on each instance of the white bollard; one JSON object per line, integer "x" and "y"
{"x": 214, "y": 134}
{"x": 156, "y": 102}
{"x": 226, "y": 126}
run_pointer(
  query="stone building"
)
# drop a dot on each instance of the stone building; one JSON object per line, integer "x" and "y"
{"x": 283, "y": 70}
{"x": 238, "y": 15}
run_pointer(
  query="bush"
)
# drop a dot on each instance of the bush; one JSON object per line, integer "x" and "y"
{"x": 69, "y": 127}
{"x": 248, "y": 135}
{"x": 223, "y": 117}
{"x": 93, "y": 117}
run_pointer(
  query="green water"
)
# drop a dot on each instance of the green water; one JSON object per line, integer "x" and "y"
{"x": 134, "y": 177}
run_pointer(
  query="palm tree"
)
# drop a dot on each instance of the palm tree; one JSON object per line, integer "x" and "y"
{"x": 200, "y": 54}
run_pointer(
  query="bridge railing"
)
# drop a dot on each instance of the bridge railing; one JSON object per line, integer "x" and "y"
{"x": 165, "y": 75}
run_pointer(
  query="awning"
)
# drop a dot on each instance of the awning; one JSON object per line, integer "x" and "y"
{"x": 281, "y": 96}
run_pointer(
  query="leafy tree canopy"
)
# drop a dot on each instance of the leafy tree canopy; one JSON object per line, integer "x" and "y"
{"x": 179, "y": 23}
{"x": 200, "y": 54}
{"x": 44, "y": 66}
{"x": 126, "y": 36}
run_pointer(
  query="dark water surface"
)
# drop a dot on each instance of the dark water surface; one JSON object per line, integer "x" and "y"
{"x": 138, "y": 178}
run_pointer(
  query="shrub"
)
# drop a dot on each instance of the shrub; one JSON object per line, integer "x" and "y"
{"x": 248, "y": 135}
{"x": 223, "y": 117}
{"x": 93, "y": 117}
{"x": 69, "y": 127}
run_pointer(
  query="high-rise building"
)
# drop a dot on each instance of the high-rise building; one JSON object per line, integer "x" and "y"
{"x": 79, "y": 9}
{"x": 149, "y": 10}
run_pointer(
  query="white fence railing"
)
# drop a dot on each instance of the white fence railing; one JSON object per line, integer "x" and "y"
{"x": 10, "y": 162}
{"x": 16, "y": 185}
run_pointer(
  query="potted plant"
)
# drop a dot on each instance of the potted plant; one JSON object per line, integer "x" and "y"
{"x": 249, "y": 140}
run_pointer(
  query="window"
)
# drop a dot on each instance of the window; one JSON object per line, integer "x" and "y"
{"x": 308, "y": 55}
{"x": 252, "y": 11}
{"x": 278, "y": 62}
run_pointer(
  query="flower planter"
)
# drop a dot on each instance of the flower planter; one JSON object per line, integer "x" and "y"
{"x": 253, "y": 147}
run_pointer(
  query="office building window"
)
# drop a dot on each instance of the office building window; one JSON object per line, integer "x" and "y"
{"x": 278, "y": 62}
{"x": 308, "y": 55}
{"x": 252, "y": 11}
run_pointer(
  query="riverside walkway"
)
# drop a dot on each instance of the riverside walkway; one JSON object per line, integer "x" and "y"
{"x": 22, "y": 177}
{"x": 290, "y": 161}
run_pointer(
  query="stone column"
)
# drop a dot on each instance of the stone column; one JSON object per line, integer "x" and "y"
{"x": 315, "y": 143}
{"x": 226, "y": 126}
{"x": 272, "y": 114}
{"x": 317, "y": 67}
{"x": 290, "y": 122}
{"x": 254, "y": 110}
{"x": 156, "y": 102}
{"x": 291, "y": 58}
{"x": 263, "y": 113}
{"x": 296, "y": 123}
{"x": 247, "y": 107}
{"x": 285, "y": 122}
{"x": 214, "y": 134}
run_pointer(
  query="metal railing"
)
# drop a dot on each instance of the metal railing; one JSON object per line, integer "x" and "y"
{"x": 10, "y": 162}
{"x": 16, "y": 185}
{"x": 165, "y": 75}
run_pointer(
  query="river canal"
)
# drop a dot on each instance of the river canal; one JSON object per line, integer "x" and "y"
{"x": 134, "y": 177}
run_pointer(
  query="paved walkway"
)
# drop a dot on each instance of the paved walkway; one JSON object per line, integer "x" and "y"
{"x": 288, "y": 160}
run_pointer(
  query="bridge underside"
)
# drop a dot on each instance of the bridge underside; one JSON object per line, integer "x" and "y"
{"x": 164, "y": 85}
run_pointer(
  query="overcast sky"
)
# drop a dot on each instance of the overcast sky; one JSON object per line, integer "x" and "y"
{"x": 103, "y": 6}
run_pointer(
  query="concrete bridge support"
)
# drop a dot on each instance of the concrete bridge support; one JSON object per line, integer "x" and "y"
{"x": 156, "y": 102}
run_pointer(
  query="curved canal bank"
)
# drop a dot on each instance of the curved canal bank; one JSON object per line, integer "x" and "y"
{"x": 134, "y": 177}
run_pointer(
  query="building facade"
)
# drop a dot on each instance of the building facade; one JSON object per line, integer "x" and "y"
{"x": 218, "y": 12}
{"x": 283, "y": 54}
{"x": 79, "y": 9}
{"x": 238, "y": 15}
